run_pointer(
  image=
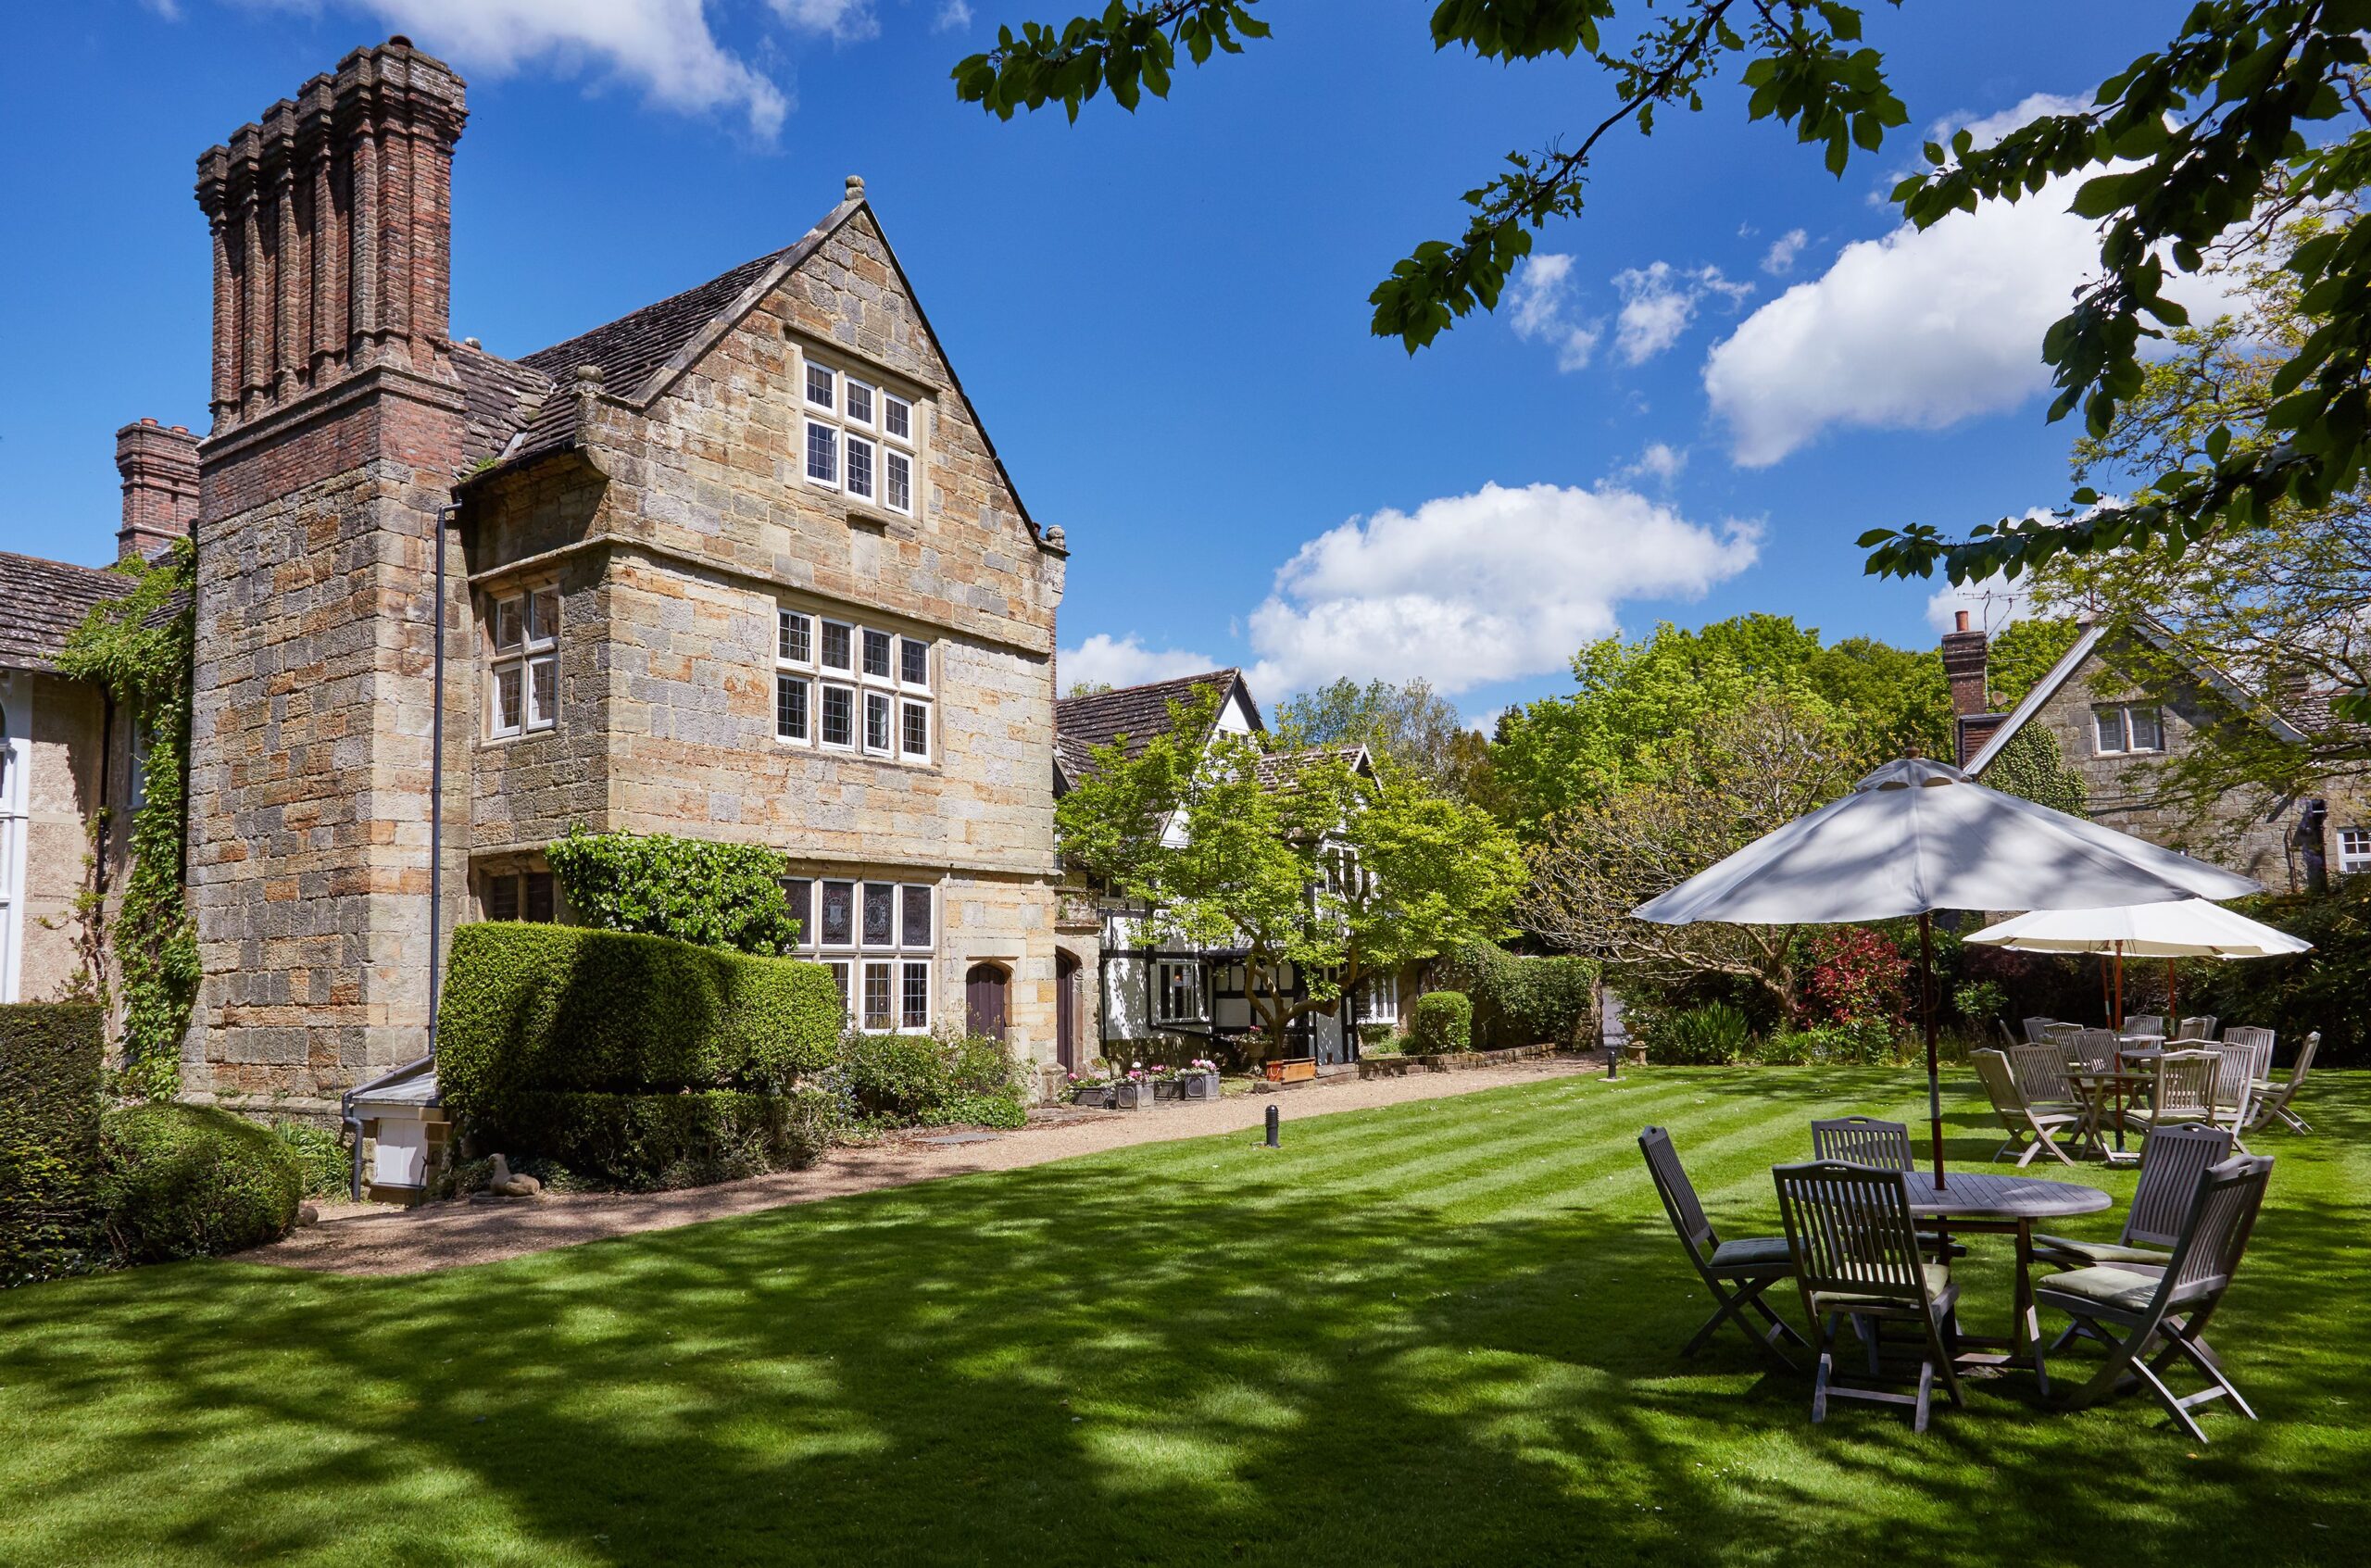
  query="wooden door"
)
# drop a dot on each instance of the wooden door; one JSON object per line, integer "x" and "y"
{"x": 983, "y": 991}
{"x": 1066, "y": 1011}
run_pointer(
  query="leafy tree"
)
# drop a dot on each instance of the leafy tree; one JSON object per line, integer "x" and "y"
{"x": 1743, "y": 772}
{"x": 2023, "y": 652}
{"x": 2031, "y": 765}
{"x": 1087, "y": 688}
{"x": 1639, "y": 703}
{"x": 1403, "y": 726}
{"x": 1304, "y": 864}
{"x": 2180, "y": 146}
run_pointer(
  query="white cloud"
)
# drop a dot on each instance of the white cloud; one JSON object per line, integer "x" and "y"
{"x": 1657, "y": 302}
{"x": 1780, "y": 258}
{"x": 1991, "y": 602}
{"x": 1661, "y": 462}
{"x": 1990, "y": 128}
{"x": 1468, "y": 589}
{"x": 663, "y": 46}
{"x": 843, "y": 21}
{"x": 1916, "y": 331}
{"x": 1124, "y": 661}
{"x": 1540, "y": 292}
{"x": 952, "y": 15}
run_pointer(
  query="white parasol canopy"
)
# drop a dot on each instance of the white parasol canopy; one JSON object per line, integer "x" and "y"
{"x": 2191, "y": 929}
{"x": 1915, "y": 836}
{"x": 1918, "y": 835}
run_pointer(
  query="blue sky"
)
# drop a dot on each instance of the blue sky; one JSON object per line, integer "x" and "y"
{"x": 1689, "y": 405}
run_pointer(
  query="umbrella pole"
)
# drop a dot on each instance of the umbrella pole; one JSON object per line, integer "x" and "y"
{"x": 1927, "y": 1010}
{"x": 2172, "y": 1010}
{"x": 2117, "y": 1023}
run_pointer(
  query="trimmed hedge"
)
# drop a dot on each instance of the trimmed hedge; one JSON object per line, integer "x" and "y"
{"x": 931, "y": 1081}
{"x": 570, "y": 1009}
{"x": 49, "y": 1139}
{"x": 1443, "y": 1024}
{"x": 192, "y": 1180}
{"x": 658, "y": 1141}
{"x": 1521, "y": 1000}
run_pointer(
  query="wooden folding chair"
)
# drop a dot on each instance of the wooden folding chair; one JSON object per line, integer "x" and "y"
{"x": 2168, "y": 1306}
{"x": 2182, "y": 1089}
{"x": 2037, "y": 1030}
{"x": 2031, "y": 1128}
{"x": 2236, "y": 1068}
{"x": 2172, "y": 1161}
{"x": 2145, "y": 1024}
{"x": 2275, "y": 1104}
{"x": 1857, "y": 1255}
{"x": 1736, "y": 1272}
{"x": 2198, "y": 1027}
{"x": 1863, "y": 1140}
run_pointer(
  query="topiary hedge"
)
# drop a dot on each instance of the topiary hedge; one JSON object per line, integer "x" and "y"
{"x": 192, "y": 1180}
{"x": 1442, "y": 1023}
{"x": 658, "y": 1141}
{"x": 1521, "y": 1000}
{"x": 564, "y": 1008}
{"x": 49, "y": 1141}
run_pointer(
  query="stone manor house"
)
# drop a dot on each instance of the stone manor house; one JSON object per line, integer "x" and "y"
{"x": 742, "y": 565}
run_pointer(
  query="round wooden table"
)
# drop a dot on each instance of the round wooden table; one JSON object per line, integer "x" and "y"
{"x": 1983, "y": 1203}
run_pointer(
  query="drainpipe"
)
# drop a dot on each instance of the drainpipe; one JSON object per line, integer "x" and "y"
{"x": 445, "y": 516}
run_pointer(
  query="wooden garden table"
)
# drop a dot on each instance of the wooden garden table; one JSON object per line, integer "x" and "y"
{"x": 2108, "y": 1091}
{"x": 1983, "y": 1203}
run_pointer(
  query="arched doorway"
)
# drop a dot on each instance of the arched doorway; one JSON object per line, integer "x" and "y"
{"x": 983, "y": 999}
{"x": 1066, "y": 1011}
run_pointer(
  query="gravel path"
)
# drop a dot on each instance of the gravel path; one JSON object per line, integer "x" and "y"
{"x": 375, "y": 1239}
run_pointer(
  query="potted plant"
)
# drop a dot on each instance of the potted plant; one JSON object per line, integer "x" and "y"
{"x": 1165, "y": 1081}
{"x": 1198, "y": 1079}
{"x": 1091, "y": 1088}
{"x": 1133, "y": 1092}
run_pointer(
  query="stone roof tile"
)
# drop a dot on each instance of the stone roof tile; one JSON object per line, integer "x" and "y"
{"x": 43, "y": 601}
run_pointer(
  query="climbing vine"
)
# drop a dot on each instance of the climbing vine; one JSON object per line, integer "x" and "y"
{"x": 138, "y": 649}
{"x": 2031, "y": 765}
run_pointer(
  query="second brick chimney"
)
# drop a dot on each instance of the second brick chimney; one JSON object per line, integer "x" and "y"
{"x": 160, "y": 470}
{"x": 1964, "y": 656}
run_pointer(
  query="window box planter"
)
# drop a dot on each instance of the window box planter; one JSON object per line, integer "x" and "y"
{"x": 1197, "y": 1085}
{"x": 1132, "y": 1097}
{"x": 1097, "y": 1095}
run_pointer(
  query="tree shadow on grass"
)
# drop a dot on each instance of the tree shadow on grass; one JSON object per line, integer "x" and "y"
{"x": 1207, "y": 1354}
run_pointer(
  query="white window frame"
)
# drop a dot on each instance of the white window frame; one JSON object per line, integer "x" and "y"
{"x": 871, "y": 429}
{"x": 1379, "y": 999}
{"x": 2355, "y": 857}
{"x": 824, "y": 692}
{"x": 806, "y": 452}
{"x": 15, "y": 763}
{"x": 855, "y": 961}
{"x": 1188, "y": 976}
{"x": 537, "y": 649}
{"x": 2123, "y": 712}
{"x": 902, "y": 709}
{"x": 795, "y": 653}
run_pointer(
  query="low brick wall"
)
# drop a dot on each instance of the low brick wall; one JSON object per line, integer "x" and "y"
{"x": 1463, "y": 1061}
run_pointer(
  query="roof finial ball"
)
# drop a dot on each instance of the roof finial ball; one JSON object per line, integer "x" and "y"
{"x": 856, "y": 187}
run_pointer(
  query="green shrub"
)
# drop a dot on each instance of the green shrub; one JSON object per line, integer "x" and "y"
{"x": 930, "y": 1080}
{"x": 712, "y": 895}
{"x": 1521, "y": 1000}
{"x": 49, "y": 1141}
{"x": 327, "y": 1164}
{"x": 557, "y": 1007}
{"x": 2327, "y": 989}
{"x": 191, "y": 1181}
{"x": 1865, "y": 1044}
{"x": 650, "y": 1142}
{"x": 1712, "y": 1036}
{"x": 2031, "y": 765}
{"x": 1979, "y": 1002}
{"x": 1442, "y": 1023}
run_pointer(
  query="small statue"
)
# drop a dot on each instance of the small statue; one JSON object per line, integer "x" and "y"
{"x": 504, "y": 1184}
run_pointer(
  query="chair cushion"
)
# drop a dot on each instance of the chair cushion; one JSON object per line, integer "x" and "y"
{"x": 2083, "y": 1253}
{"x": 1938, "y": 1280}
{"x": 2126, "y": 1289}
{"x": 1752, "y": 1252}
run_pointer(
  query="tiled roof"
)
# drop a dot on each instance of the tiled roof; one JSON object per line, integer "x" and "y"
{"x": 503, "y": 395}
{"x": 632, "y": 349}
{"x": 43, "y": 601}
{"x": 1141, "y": 713}
{"x": 1281, "y": 770}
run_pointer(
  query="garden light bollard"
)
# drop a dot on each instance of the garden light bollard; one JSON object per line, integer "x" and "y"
{"x": 1273, "y": 1120}
{"x": 1613, "y": 1061}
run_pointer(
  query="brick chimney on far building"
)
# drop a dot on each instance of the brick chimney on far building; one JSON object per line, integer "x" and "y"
{"x": 159, "y": 468}
{"x": 1967, "y": 655}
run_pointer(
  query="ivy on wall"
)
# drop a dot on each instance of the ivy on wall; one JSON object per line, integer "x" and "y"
{"x": 138, "y": 649}
{"x": 2031, "y": 765}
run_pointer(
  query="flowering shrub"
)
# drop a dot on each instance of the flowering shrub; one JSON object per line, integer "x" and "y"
{"x": 1202, "y": 1064}
{"x": 1857, "y": 978}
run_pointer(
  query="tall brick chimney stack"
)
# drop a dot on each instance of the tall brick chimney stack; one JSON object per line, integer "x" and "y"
{"x": 338, "y": 424}
{"x": 1964, "y": 657}
{"x": 332, "y": 231}
{"x": 160, "y": 470}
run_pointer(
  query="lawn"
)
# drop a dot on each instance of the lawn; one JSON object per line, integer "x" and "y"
{"x": 1446, "y": 1332}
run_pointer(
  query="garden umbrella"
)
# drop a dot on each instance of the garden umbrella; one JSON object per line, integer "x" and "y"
{"x": 2191, "y": 928}
{"x": 1915, "y": 836}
